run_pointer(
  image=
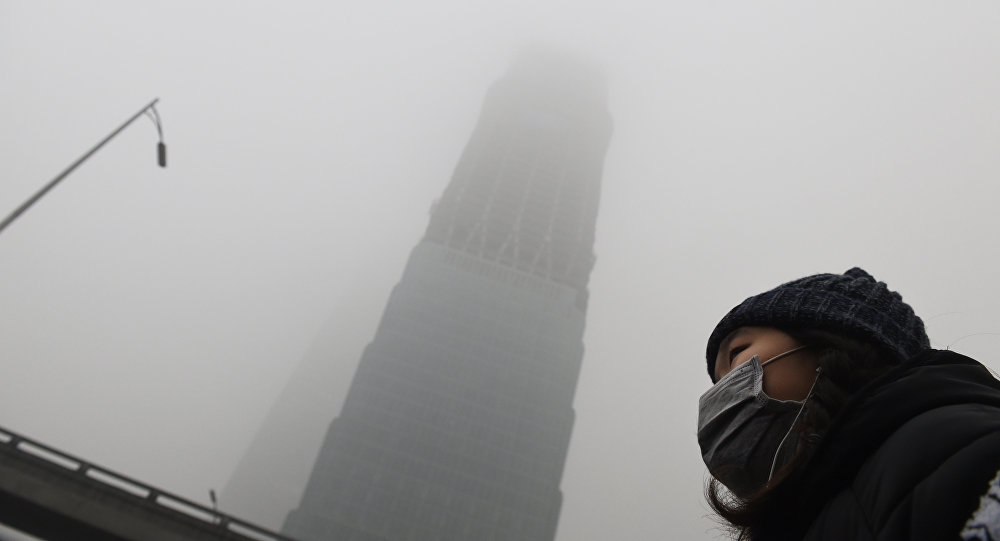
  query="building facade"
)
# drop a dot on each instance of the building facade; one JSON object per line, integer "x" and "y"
{"x": 458, "y": 420}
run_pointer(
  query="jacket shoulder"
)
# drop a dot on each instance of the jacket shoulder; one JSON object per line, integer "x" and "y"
{"x": 925, "y": 480}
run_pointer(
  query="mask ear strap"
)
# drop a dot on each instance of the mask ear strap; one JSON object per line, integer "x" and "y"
{"x": 774, "y": 462}
{"x": 785, "y": 354}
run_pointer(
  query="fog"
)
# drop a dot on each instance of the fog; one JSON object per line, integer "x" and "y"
{"x": 152, "y": 316}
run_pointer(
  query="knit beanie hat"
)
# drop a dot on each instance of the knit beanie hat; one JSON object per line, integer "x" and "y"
{"x": 852, "y": 304}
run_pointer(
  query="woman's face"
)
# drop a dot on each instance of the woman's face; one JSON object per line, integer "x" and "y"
{"x": 787, "y": 378}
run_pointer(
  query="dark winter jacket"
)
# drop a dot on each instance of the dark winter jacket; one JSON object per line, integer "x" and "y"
{"x": 908, "y": 458}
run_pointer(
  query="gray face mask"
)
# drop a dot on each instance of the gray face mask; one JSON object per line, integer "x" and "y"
{"x": 742, "y": 431}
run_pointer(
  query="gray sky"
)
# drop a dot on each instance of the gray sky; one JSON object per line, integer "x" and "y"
{"x": 152, "y": 316}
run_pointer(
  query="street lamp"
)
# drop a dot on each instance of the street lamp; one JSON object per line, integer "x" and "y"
{"x": 161, "y": 155}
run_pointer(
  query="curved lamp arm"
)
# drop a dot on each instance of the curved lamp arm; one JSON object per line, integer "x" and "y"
{"x": 161, "y": 148}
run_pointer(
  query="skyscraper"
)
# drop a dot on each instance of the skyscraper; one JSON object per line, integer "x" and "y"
{"x": 458, "y": 419}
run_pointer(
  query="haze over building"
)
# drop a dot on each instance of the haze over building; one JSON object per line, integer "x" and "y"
{"x": 458, "y": 420}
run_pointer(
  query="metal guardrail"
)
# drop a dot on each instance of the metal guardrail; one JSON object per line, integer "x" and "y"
{"x": 137, "y": 489}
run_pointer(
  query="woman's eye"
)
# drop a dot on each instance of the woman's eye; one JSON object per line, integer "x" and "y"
{"x": 736, "y": 351}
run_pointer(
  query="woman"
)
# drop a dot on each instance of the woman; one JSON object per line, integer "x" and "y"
{"x": 831, "y": 418}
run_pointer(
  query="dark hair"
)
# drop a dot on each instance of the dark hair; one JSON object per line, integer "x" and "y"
{"x": 846, "y": 366}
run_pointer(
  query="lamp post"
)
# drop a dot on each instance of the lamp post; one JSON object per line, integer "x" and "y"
{"x": 161, "y": 152}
